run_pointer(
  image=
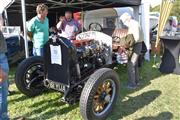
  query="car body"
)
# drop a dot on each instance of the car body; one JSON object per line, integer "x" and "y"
{"x": 15, "y": 49}
{"x": 15, "y": 44}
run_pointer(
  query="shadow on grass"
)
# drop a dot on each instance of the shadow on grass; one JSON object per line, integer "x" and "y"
{"x": 147, "y": 74}
{"x": 47, "y": 101}
{"x": 19, "y": 99}
{"x": 46, "y": 109}
{"x": 49, "y": 110}
{"x": 51, "y": 113}
{"x": 161, "y": 116}
{"x": 24, "y": 97}
{"x": 132, "y": 104}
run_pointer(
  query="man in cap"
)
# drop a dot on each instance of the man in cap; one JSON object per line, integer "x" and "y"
{"x": 134, "y": 29}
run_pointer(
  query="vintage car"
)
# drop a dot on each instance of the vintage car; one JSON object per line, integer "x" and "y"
{"x": 16, "y": 49}
{"x": 80, "y": 69}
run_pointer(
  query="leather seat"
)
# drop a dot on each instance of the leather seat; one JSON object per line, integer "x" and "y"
{"x": 115, "y": 32}
{"x": 120, "y": 33}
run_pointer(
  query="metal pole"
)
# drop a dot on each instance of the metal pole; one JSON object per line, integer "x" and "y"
{"x": 145, "y": 26}
{"x": 82, "y": 18}
{"x": 57, "y": 18}
{"x": 6, "y": 18}
{"x": 24, "y": 27}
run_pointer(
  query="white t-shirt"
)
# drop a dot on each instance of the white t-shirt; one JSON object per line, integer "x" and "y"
{"x": 135, "y": 29}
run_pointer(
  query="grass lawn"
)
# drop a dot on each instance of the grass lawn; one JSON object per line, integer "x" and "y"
{"x": 157, "y": 98}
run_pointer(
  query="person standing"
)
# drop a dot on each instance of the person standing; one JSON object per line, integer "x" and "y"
{"x": 61, "y": 18}
{"x": 69, "y": 27}
{"x": 4, "y": 69}
{"x": 171, "y": 26}
{"x": 134, "y": 29}
{"x": 38, "y": 29}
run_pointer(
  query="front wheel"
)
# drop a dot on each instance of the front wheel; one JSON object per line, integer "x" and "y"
{"x": 99, "y": 94}
{"x": 30, "y": 75}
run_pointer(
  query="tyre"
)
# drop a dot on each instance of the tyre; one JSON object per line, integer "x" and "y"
{"x": 99, "y": 94}
{"x": 30, "y": 75}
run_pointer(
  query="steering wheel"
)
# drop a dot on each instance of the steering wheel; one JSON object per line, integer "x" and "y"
{"x": 115, "y": 38}
{"x": 95, "y": 27}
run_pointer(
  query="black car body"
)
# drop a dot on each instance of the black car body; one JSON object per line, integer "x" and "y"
{"x": 16, "y": 48}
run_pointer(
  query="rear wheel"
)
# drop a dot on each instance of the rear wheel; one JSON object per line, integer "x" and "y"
{"x": 99, "y": 94}
{"x": 30, "y": 75}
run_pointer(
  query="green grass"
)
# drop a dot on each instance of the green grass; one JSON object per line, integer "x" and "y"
{"x": 157, "y": 98}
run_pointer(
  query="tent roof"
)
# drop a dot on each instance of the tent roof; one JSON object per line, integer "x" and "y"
{"x": 74, "y": 5}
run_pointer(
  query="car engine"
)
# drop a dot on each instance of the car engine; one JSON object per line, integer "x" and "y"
{"x": 90, "y": 54}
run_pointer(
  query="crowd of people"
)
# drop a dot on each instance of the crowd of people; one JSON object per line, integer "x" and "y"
{"x": 68, "y": 27}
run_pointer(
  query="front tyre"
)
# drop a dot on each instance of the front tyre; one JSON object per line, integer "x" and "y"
{"x": 30, "y": 75}
{"x": 99, "y": 94}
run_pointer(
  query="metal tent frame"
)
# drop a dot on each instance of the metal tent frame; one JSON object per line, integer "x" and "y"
{"x": 74, "y": 5}
{"x": 80, "y": 5}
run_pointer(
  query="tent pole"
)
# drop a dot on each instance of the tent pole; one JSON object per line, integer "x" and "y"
{"x": 145, "y": 26}
{"x": 6, "y": 18}
{"x": 24, "y": 27}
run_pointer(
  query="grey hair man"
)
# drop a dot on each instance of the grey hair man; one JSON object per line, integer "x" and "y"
{"x": 134, "y": 29}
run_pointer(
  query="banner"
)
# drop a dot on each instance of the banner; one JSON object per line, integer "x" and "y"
{"x": 165, "y": 9}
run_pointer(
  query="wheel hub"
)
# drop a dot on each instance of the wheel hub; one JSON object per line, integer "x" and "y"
{"x": 33, "y": 76}
{"x": 103, "y": 96}
{"x": 107, "y": 98}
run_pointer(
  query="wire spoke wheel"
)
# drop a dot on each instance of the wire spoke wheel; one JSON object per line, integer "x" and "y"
{"x": 34, "y": 76}
{"x": 30, "y": 75}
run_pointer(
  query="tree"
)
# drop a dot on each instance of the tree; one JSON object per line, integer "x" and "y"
{"x": 174, "y": 12}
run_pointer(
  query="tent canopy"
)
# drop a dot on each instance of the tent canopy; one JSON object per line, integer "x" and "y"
{"x": 59, "y": 6}
{"x": 74, "y": 5}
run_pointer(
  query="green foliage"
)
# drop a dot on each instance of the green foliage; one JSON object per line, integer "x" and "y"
{"x": 174, "y": 12}
{"x": 176, "y": 9}
{"x": 155, "y": 9}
